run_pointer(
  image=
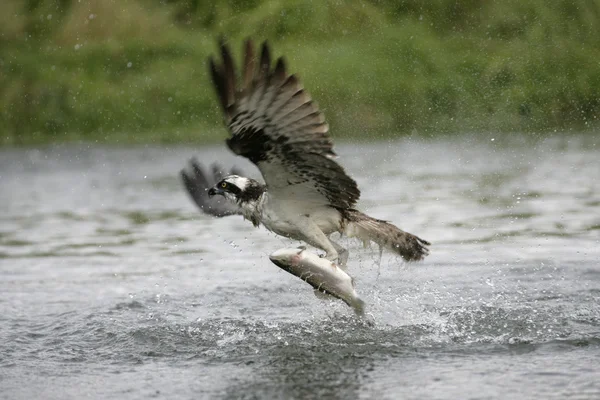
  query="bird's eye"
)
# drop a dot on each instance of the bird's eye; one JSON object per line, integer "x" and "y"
{"x": 224, "y": 185}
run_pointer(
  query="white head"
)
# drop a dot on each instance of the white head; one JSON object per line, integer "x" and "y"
{"x": 237, "y": 188}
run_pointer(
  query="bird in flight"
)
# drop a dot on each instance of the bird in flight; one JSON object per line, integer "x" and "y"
{"x": 306, "y": 194}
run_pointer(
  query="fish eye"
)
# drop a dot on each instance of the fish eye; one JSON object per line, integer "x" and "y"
{"x": 224, "y": 185}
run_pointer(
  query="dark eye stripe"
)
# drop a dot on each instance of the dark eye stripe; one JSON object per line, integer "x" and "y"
{"x": 233, "y": 189}
{"x": 230, "y": 187}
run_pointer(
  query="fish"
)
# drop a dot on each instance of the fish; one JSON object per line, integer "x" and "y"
{"x": 322, "y": 274}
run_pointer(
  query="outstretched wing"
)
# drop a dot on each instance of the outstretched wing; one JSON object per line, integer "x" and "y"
{"x": 275, "y": 124}
{"x": 197, "y": 180}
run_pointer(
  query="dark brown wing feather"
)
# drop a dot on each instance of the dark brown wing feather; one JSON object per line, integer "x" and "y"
{"x": 275, "y": 124}
{"x": 197, "y": 180}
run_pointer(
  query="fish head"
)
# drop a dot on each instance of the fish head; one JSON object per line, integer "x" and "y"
{"x": 287, "y": 257}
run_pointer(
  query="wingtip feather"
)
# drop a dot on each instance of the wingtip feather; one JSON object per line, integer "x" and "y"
{"x": 249, "y": 64}
{"x": 265, "y": 60}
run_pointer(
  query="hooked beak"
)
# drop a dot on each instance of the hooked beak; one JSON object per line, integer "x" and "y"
{"x": 213, "y": 191}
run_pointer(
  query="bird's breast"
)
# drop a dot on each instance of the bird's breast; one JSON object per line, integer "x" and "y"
{"x": 280, "y": 224}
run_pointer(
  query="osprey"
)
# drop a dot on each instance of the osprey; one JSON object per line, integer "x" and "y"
{"x": 307, "y": 195}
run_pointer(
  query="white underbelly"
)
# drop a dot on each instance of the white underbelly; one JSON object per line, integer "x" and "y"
{"x": 328, "y": 219}
{"x": 281, "y": 226}
{"x": 289, "y": 221}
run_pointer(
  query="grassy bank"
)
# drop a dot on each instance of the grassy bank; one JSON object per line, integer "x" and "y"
{"x": 135, "y": 71}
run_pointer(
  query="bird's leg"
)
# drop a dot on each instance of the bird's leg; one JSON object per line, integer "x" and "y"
{"x": 331, "y": 255}
{"x": 314, "y": 236}
{"x": 342, "y": 254}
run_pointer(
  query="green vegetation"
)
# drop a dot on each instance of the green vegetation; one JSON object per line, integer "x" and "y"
{"x": 135, "y": 70}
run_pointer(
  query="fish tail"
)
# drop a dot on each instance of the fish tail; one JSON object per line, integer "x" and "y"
{"x": 358, "y": 305}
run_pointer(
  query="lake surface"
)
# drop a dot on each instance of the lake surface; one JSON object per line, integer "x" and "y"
{"x": 113, "y": 285}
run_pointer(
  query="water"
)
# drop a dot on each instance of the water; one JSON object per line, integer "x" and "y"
{"x": 114, "y": 286}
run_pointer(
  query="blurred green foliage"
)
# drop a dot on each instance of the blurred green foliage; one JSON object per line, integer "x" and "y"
{"x": 135, "y": 70}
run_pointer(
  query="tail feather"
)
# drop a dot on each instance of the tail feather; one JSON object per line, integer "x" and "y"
{"x": 365, "y": 228}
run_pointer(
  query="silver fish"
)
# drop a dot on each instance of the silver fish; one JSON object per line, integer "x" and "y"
{"x": 321, "y": 274}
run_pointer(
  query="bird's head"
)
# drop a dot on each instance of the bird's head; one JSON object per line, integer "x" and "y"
{"x": 237, "y": 189}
